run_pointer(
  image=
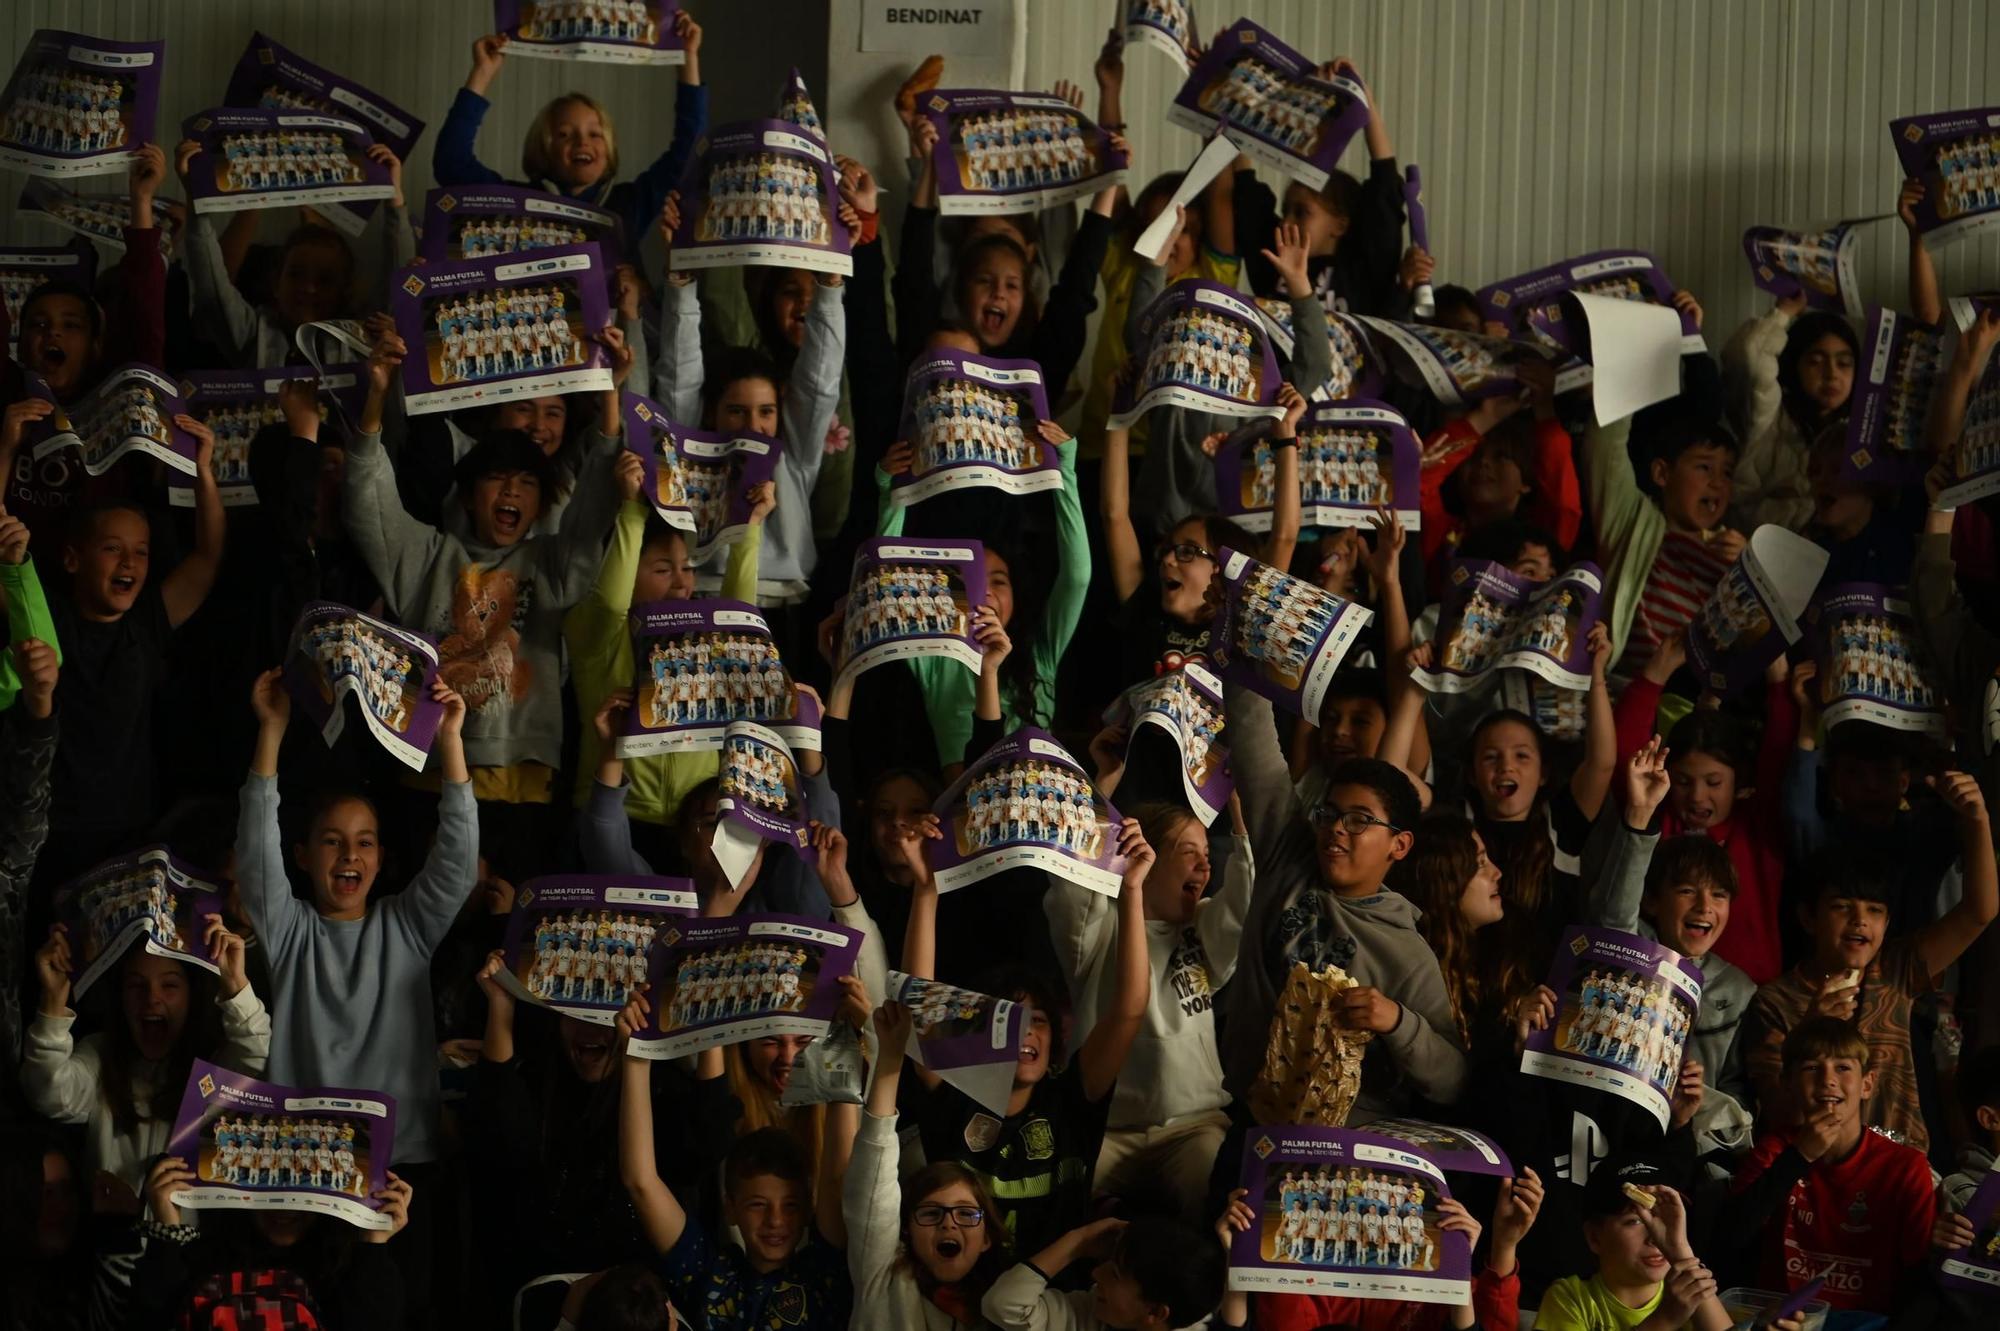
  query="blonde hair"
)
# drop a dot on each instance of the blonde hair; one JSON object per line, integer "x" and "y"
{"x": 538, "y": 149}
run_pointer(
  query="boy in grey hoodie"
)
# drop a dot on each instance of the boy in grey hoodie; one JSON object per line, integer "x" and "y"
{"x": 1320, "y": 901}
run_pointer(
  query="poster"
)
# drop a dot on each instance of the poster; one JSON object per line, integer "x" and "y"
{"x": 1731, "y": 641}
{"x": 1357, "y": 367}
{"x": 25, "y": 267}
{"x": 131, "y": 410}
{"x": 1900, "y": 364}
{"x": 1455, "y": 1150}
{"x": 78, "y": 105}
{"x": 1623, "y": 1008}
{"x": 1872, "y": 665}
{"x": 910, "y": 599}
{"x": 1279, "y": 635}
{"x": 1184, "y": 706}
{"x": 1026, "y": 802}
{"x": 1495, "y": 619}
{"x": 1165, "y": 25}
{"x": 701, "y": 665}
{"x": 1976, "y": 1267}
{"x": 1531, "y": 305}
{"x": 258, "y": 1146}
{"x": 99, "y": 217}
{"x": 944, "y": 29}
{"x": 272, "y": 78}
{"x": 1287, "y": 118}
{"x": 1817, "y": 264}
{"x": 761, "y": 798}
{"x": 975, "y": 421}
{"x": 1354, "y": 457}
{"x": 1016, "y": 152}
{"x": 609, "y": 32}
{"x": 336, "y": 651}
{"x": 491, "y": 330}
{"x": 1204, "y": 347}
{"x": 1956, "y": 155}
{"x": 970, "y": 1040}
{"x": 1455, "y": 368}
{"x": 1347, "y": 1213}
{"x": 1561, "y": 713}
{"x": 761, "y": 192}
{"x": 724, "y": 981}
{"x": 281, "y": 159}
{"x": 795, "y": 106}
{"x": 144, "y": 896}
{"x": 486, "y": 221}
{"x": 1975, "y": 462}
{"x": 577, "y": 944}
{"x": 698, "y": 481}
{"x": 236, "y": 404}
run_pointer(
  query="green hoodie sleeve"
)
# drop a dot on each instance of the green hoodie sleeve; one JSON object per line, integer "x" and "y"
{"x": 1072, "y": 580}
{"x": 27, "y": 617}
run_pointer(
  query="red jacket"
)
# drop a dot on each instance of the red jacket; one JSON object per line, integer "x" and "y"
{"x": 1556, "y": 506}
{"x": 1496, "y": 1302}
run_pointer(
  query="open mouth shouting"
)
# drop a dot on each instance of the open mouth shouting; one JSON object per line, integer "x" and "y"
{"x": 506, "y": 520}
{"x": 993, "y": 318}
{"x": 346, "y": 884}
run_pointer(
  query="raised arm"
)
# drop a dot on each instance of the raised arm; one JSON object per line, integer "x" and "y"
{"x": 1925, "y": 302}
{"x": 398, "y": 549}
{"x": 453, "y": 161}
{"x": 1072, "y": 580}
{"x": 1614, "y": 897}
{"x": 651, "y": 186}
{"x": 871, "y": 1195}
{"x": 1110, "y": 1040}
{"x": 659, "y": 1211}
{"x": 1968, "y": 361}
{"x": 1114, "y": 506}
{"x": 1592, "y": 779}
{"x": 261, "y": 879}
{"x": 677, "y": 372}
{"x": 431, "y": 902}
{"x": 1285, "y": 479}
{"x": 215, "y": 295}
{"x": 1942, "y": 943}
{"x": 812, "y": 392}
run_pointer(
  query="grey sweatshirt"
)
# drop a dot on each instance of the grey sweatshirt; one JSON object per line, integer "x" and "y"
{"x": 1176, "y": 478}
{"x": 351, "y": 999}
{"x": 805, "y": 414}
{"x": 497, "y": 612}
{"x": 1421, "y": 1057}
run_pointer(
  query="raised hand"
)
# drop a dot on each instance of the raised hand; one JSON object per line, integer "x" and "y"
{"x": 1685, "y": 302}
{"x": 609, "y": 720}
{"x": 1907, "y": 200}
{"x": 383, "y": 155}
{"x": 1139, "y": 854}
{"x": 830, "y": 861}
{"x": 453, "y": 721}
{"x": 489, "y": 53}
{"x": 632, "y": 1018}
{"x": 270, "y": 700}
{"x": 1646, "y": 782}
{"x": 36, "y": 663}
{"x": 227, "y": 948}
{"x": 1289, "y": 259}
{"x": 53, "y": 970}
{"x": 395, "y": 1199}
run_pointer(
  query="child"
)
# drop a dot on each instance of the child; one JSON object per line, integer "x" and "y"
{"x": 1794, "y": 372}
{"x": 767, "y": 1196}
{"x": 1504, "y": 466}
{"x": 1647, "y": 1274}
{"x": 1352, "y": 719}
{"x": 571, "y": 148}
{"x": 1853, "y": 975}
{"x": 1154, "y": 1274}
{"x": 1456, "y": 890}
{"x": 1830, "y": 1198}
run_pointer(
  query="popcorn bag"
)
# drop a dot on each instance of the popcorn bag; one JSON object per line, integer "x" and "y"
{"x": 1312, "y": 1068}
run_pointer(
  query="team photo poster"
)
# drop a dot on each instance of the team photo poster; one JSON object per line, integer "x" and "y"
{"x": 1456, "y": 368}
{"x": 1532, "y": 304}
{"x": 974, "y": 421}
{"x": 1624, "y": 1005}
{"x": 145, "y": 896}
{"x": 258, "y": 1146}
{"x": 910, "y": 599}
{"x": 1357, "y": 372}
{"x": 1181, "y": 709}
{"x": 1900, "y": 363}
{"x": 23, "y": 268}
{"x": 98, "y": 217}
{"x": 272, "y": 78}
{"x": 1349, "y": 1214}
{"x": 511, "y": 326}
{"x": 1455, "y": 1150}
{"x": 698, "y": 667}
{"x": 1562, "y": 714}
{"x": 609, "y": 32}
{"x": 970, "y": 1040}
{"x": 1354, "y": 457}
{"x": 724, "y": 981}
{"x": 1976, "y": 1267}
{"x": 131, "y": 410}
{"x": 761, "y": 192}
{"x": 487, "y": 221}
{"x": 1495, "y": 619}
{"x": 1165, "y": 25}
{"x": 1279, "y": 635}
{"x": 1016, "y": 152}
{"x": 1818, "y": 265}
{"x": 1975, "y": 462}
{"x": 1956, "y": 156}
{"x": 1279, "y": 110}
{"x": 1872, "y": 666}
{"x": 1201, "y": 346}
{"x": 1026, "y": 802}
{"x": 1753, "y": 614}
{"x": 236, "y": 404}
{"x": 280, "y": 159}
{"x": 577, "y": 944}
{"x": 698, "y": 481}
{"x": 337, "y": 651}
{"x": 79, "y": 105}
{"x": 760, "y": 797}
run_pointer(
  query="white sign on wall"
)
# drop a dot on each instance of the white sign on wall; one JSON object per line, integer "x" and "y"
{"x": 980, "y": 27}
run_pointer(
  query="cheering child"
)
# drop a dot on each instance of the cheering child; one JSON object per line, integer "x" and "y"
{"x": 1647, "y": 1274}
{"x": 1455, "y": 887}
{"x": 1151, "y": 1274}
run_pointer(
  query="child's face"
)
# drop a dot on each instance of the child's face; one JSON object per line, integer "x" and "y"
{"x": 1689, "y": 917}
{"x": 1840, "y": 1083}
{"x": 1306, "y": 210}
{"x": 108, "y": 571}
{"x": 1350, "y": 728}
{"x": 1179, "y": 876}
{"x": 340, "y": 858}
{"x": 1704, "y": 790}
{"x": 312, "y": 282}
{"x": 770, "y": 1212}
{"x": 1868, "y": 792}
{"x": 578, "y": 149}
{"x": 1115, "y": 1299}
{"x": 1506, "y": 770}
{"x": 1031, "y": 1063}
{"x": 56, "y": 342}
{"x": 772, "y": 1058}
{"x": 155, "y": 998}
{"x": 948, "y": 1250}
{"x": 1695, "y": 487}
{"x": 1841, "y": 507}
{"x": 1826, "y": 373}
{"x": 1000, "y": 587}
{"x": 589, "y": 1048}
{"x": 748, "y": 404}
{"x": 1184, "y": 583}
{"x": 666, "y": 571}
{"x": 1480, "y": 904}
{"x": 791, "y": 298}
{"x": 1355, "y": 861}
{"x": 898, "y": 803}
{"x": 542, "y": 419}
{"x": 1847, "y": 931}
{"x": 1491, "y": 483}
{"x": 995, "y": 291}
{"x": 503, "y": 507}
{"x": 1626, "y": 1253}
{"x": 1536, "y": 563}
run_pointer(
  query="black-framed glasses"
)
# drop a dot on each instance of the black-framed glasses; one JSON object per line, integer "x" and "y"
{"x": 930, "y": 1217}
{"x": 1183, "y": 552}
{"x": 1351, "y": 821}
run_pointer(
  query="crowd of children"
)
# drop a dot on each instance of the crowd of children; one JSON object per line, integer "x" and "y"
{"x": 1831, "y": 1105}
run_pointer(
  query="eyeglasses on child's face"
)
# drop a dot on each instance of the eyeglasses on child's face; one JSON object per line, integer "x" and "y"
{"x": 1183, "y": 552}
{"x": 930, "y": 1217}
{"x": 1354, "y": 822}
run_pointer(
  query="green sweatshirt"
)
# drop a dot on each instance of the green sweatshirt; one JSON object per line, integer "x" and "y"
{"x": 599, "y": 638}
{"x": 1630, "y": 526}
{"x": 27, "y": 617}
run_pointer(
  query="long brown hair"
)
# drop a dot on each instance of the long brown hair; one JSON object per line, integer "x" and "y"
{"x": 1482, "y": 973}
{"x": 934, "y": 1178}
